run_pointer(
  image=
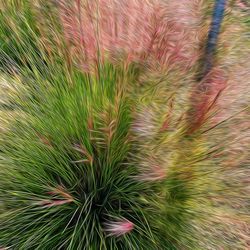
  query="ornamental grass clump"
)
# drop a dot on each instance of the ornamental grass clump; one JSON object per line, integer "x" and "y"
{"x": 111, "y": 137}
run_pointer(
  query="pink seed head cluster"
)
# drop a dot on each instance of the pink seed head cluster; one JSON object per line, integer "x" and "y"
{"x": 118, "y": 228}
{"x": 158, "y": 32}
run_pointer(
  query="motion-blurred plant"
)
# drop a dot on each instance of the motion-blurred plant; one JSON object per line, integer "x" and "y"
{"x": 108, "y": 140}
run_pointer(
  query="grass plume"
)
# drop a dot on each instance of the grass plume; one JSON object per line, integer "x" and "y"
{"x": 107, "y": 139}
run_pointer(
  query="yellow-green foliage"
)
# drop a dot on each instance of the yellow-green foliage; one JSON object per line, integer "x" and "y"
{"x": 125, "y": 154}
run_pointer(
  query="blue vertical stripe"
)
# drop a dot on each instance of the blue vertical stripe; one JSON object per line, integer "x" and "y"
{"x": 218, "y": 14}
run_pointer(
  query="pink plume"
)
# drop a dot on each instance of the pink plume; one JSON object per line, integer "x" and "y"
{"x": 118, "y": 228}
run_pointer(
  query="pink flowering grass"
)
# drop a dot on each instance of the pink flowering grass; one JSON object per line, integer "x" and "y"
{"x": 137, "y": 31}
{"x": 109, "y": 139}
{"x": 118, "y": 227}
